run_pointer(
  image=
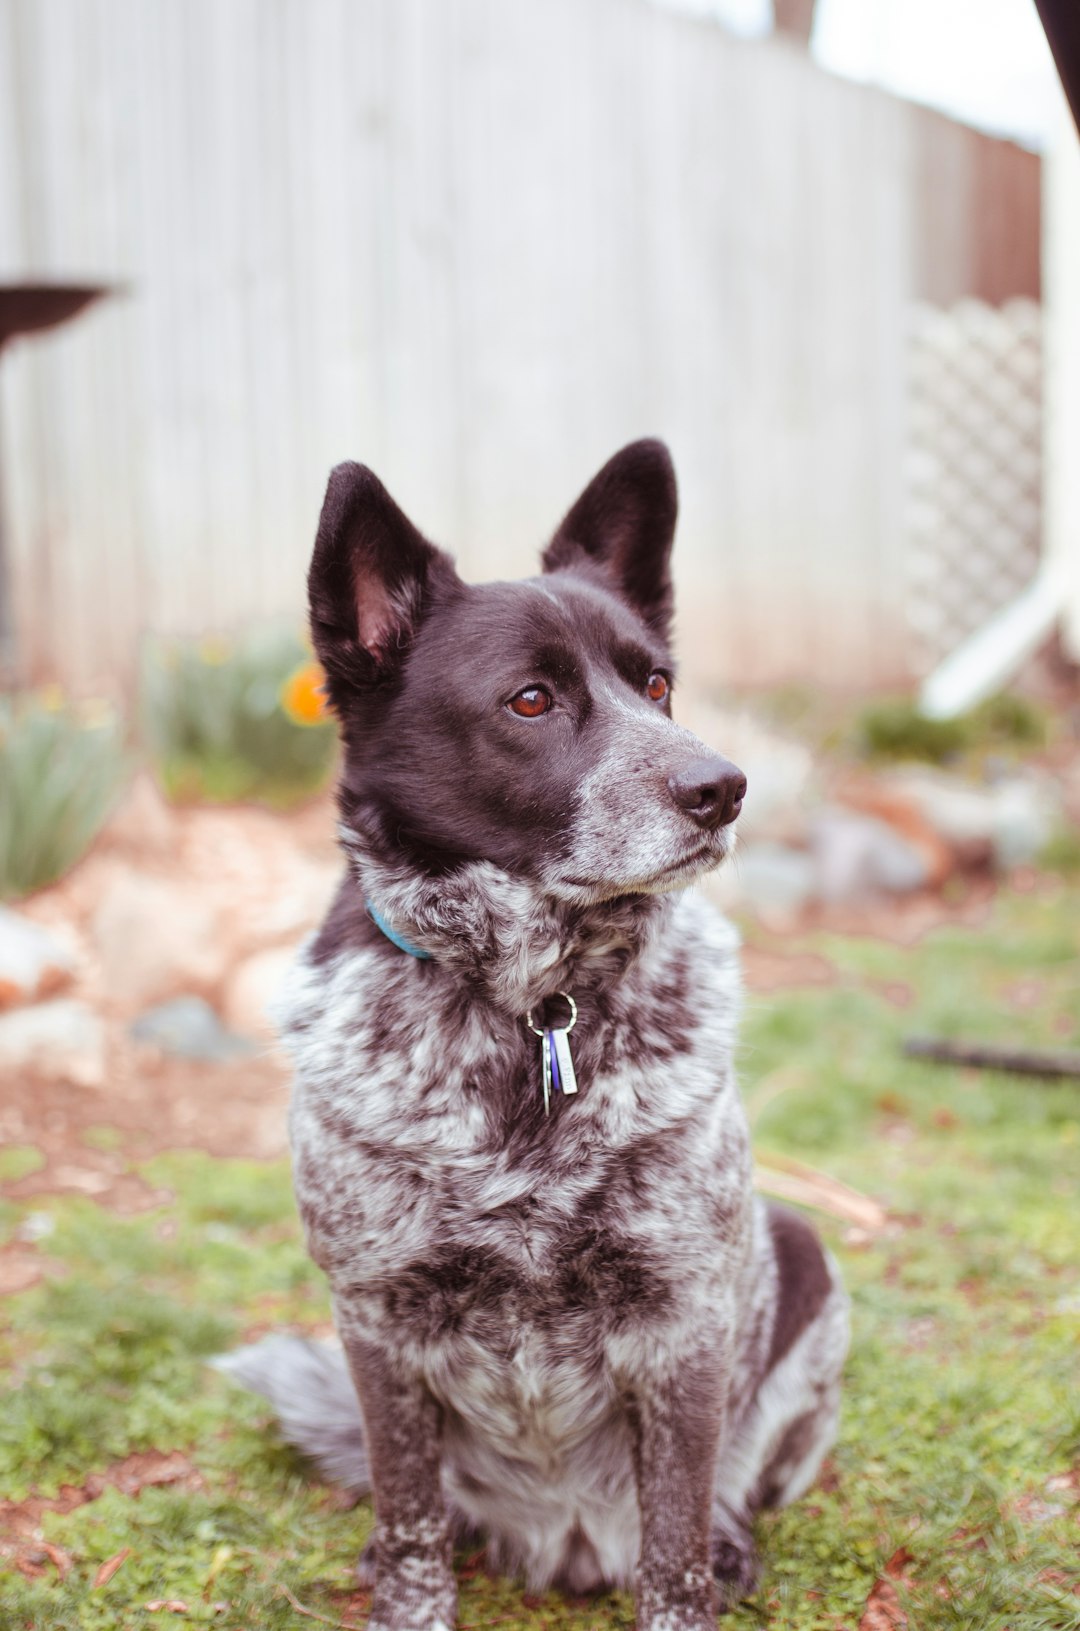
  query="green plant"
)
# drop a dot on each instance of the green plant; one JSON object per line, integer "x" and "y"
{"x": 1062, "y": 852}
{"x": 236, "y": 720}
{"x": 62, "y": 765}
{"x": 893, "y": 728}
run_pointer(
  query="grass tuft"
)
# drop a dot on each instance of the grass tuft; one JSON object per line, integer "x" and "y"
{"x": 62, "y": 767}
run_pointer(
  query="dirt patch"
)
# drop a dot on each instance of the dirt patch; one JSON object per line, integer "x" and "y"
{"x": 20, "y": 1521}
{"x": 235, "y": 1109}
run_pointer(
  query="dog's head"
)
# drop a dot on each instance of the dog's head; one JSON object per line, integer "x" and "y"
{"x": 524, "y": 724}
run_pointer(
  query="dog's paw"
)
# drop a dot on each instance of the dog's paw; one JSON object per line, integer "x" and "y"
{"x": 736, "y": 1566}
{"x": 417, "y": 1599}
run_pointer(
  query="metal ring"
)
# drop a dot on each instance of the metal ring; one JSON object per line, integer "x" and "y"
{"x": 566, "y": 1028}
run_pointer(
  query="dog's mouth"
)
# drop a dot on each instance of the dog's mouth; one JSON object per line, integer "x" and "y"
{"x": 700, "y": 859}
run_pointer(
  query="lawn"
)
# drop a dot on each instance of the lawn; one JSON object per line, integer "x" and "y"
{"x": 953, "y": 1496}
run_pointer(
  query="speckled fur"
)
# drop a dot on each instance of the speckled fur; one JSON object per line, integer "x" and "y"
{"x": 579, "y": 1336}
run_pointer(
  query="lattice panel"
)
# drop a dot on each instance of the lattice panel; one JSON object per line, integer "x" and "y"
{"x": 974, "y": 468}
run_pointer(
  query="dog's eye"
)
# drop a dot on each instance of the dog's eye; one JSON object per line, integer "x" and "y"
{"x": 657, "y": 687}
{"x": 530, "y": 703}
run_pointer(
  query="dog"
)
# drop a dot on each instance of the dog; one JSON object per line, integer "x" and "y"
{"x": 567, "y": 1325}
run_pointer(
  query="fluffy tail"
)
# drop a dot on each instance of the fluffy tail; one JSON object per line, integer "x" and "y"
{"x": 309, "y": 1385}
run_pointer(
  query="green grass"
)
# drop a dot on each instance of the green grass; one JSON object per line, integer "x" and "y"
{"x": 963, "y": 1388}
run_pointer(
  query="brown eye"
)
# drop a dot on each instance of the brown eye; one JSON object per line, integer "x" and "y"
{"x": 657, "y": 687}
{"x": 530, "y": 703}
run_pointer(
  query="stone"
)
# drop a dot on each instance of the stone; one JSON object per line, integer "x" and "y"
{"x": 856, "y": 856}
{"x": 32, "y": 963}
{"x": 155, "y": 940}
{"x": 253, "y": 990}
{"x": 772, "y": 878}
{"x": 1006, "y": 823}
{"x": 1025, "y": 817}
{"x": 144, "y": 824}
{"x": 188, "y": 1028}
{"x": 62, "y": 1040}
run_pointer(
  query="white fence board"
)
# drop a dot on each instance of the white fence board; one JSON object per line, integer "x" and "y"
{"x": 479, "y": 244}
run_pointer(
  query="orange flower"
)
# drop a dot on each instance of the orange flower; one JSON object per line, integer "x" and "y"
{"x": 303, "y": 697}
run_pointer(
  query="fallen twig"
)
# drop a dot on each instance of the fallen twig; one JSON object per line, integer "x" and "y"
{"x": 310, "y": 1614}
{"x": 986, "y": 1056}
{"x": 790, "y": 1180}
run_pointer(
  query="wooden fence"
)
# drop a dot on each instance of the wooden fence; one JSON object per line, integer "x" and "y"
{"x": 478, "y": 244}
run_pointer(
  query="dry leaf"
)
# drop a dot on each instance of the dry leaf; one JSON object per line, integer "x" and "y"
{"x": 896, "y": 1567}
{"x": 883, "y": 1611}
{"x": 61, "y": 1558}
{"x": 109, "y": 1568}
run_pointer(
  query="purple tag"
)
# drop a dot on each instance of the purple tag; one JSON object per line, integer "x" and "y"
{"x": 556, "y": 1084}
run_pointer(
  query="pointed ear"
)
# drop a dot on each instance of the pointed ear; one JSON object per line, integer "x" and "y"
{"x": 371, "y": 578}
{"x": 622, "y": 527}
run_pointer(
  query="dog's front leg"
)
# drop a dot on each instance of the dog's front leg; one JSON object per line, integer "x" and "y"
{"x": 676, "y": 1422}
{"x": 414, "y": 1582}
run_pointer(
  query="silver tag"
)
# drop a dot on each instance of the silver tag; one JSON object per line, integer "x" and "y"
{"x": 546, "y": 1057}
{"x": 567, "y": 1079}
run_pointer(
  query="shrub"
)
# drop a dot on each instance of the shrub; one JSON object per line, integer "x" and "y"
{"x": 895, "y": 729}
{"x": 62, "y": 765}
{"x": 237, "y": 720}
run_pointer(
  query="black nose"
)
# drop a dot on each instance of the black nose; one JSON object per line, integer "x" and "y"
{"x": 711, "y": 791}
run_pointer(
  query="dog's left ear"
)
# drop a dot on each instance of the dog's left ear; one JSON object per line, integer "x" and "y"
{"x": 622, "y": 528}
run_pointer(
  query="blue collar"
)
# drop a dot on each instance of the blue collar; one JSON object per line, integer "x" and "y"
{"x": 397, "y": 940}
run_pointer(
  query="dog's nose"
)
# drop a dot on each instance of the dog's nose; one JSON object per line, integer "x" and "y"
{"x": 711, "y": 791}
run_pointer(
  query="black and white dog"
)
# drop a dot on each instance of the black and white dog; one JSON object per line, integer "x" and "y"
{"x": 571, "y": 1327}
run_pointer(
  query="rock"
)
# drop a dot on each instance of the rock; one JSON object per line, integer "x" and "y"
{"x": 63, "y": 1040}
{"x": 154, "y": 940}
{"x": 857, "y": 855}
{"x": 772, "y": 878}
{"x": 188, "y": 1028}
{"x": 32, "y": 963}
{"x": 1006, "y": 823}
{"x": 871, "y": 796}
{"x": 144, "y": 824}
{"x": 253, "y": 989}
{"x": 1025, "y": 816}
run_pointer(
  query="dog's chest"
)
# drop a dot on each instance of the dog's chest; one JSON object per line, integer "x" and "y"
{"x": 460, "y": 1224}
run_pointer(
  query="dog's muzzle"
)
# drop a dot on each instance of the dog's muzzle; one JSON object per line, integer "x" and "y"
{"x": 711, "y": 791}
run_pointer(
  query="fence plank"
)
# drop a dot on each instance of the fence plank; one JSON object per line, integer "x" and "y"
{"x": 476, "y": 243}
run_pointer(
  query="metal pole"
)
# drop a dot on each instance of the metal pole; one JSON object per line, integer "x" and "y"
{"x": 1061, "y": 21}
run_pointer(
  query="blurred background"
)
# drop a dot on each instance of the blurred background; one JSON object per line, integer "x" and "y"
{"x": 830, "y": 251}
{"x": 479, "y": 245}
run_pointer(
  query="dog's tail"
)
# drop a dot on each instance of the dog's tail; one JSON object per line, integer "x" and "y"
{"x": 309, "y": 1385}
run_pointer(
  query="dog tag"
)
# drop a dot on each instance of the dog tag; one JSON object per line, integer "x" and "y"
{"x": 545, "y": 1054}
{"x": 564, "y": 1063}
{"x": 556, "y": 1066}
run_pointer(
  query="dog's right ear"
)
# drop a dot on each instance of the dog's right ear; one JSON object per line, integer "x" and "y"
{"x": 371, "y": 578}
